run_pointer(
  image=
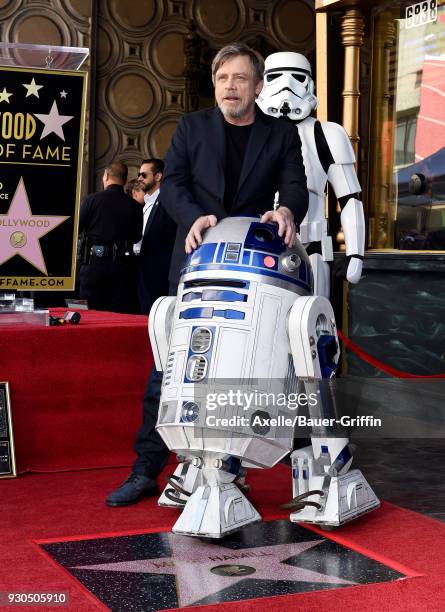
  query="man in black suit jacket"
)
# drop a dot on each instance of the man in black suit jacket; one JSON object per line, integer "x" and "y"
{"x": 229, "y": 160}
{"x": 155, "y": 248}
{"x": 220, "y": 165}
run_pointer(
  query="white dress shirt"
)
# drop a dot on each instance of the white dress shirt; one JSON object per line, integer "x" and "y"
{"x": 149, "y": 201}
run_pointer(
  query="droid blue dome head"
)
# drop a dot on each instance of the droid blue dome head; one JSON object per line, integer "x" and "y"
{"x": 241, "y": 249}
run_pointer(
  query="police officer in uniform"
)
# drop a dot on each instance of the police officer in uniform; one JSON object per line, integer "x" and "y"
{"x": 111, "y": 222}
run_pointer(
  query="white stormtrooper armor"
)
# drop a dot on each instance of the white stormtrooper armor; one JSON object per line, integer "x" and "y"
{"x": 327, "y": 155}
{"x": 323, "y": 484}
{"x": 245, "y": 312}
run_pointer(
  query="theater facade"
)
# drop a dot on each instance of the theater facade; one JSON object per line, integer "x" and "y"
{"x": 388, "y": 59}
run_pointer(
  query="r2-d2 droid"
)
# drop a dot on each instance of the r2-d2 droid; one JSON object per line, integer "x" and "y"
{"x": 245, "y": 313}
{"x": 328, "y": 157}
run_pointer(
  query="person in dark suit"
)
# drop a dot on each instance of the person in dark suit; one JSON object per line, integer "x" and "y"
{"x": 230, "y": 160}
{"x": 111, "y": 222}
{"x": 215, "y": 169}
{"x": 155, "y": 248}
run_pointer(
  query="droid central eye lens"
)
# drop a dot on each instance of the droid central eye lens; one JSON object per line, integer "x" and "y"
{"x": 263, "y": 234}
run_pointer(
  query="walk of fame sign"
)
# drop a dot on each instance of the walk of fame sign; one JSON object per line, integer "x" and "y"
{"x": 41, "y": 136}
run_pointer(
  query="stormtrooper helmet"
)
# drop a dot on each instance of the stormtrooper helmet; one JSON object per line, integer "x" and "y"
{"x": 288, "y": 89}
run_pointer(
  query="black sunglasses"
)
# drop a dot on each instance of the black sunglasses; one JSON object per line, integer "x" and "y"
{"x": 144, "y": 174}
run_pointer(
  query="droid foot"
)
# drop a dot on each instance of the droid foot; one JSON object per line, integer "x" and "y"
{"x": 347, "y": 497}
{"x": 215, "y": 511}
{"x": 180, "y": 486}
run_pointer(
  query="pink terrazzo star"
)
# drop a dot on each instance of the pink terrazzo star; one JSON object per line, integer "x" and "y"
{"x": 192, "y": 560}
{"x": 20, "y": 230}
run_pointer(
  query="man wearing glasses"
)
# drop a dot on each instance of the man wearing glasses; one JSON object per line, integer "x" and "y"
{"x": 149, "y": 178}
{"x": 158, "y": 235}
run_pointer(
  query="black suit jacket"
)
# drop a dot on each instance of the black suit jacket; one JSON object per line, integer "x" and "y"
{"x": 155, "y": 255}
{"x": 193, "y": 182}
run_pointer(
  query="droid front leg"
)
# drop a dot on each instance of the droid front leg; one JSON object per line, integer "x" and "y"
{"x": 186, "y": 479}
{"x": 217, "y": 507}
{"x": 325, "y": 491}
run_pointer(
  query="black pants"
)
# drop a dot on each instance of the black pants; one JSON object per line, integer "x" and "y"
{"x": 110, "y": 285}
{"x": 150, "y": 448}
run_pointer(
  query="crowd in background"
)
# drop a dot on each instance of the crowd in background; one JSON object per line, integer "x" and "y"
{"x": 126, "y": 241}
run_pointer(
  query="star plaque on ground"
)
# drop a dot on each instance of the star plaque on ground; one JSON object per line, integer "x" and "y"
{"x": 20, "y": 230}
{"x": 156, "y": 571}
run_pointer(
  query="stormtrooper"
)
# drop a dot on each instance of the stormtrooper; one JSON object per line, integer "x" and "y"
{"x": 245, "y": 321}
{"x": 328, "y": 156}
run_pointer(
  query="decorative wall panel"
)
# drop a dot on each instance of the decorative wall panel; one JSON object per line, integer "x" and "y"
{"x": 151, "y": 59}
{"x": 153, "y": 63}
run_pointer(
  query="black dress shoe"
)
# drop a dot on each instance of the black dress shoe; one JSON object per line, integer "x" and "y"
{"x": 132, "y": 490}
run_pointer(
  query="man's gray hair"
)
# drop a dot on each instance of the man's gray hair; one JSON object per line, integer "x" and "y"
{"x": 234, "y": 50}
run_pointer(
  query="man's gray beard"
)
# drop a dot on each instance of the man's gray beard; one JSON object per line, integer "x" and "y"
{"x": 233, "y": 113}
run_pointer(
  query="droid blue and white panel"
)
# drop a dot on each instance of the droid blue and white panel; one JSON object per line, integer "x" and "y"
{"x": 229, "y": 324}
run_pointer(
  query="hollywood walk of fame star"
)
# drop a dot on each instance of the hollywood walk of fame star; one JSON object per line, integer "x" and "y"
{"x": 53, "y": 122}
{"x": 192, "y": 560}
{"x": 63, "y": 93}
{"x": 20, "y": 230}
{"x": 4, "y": 95}
{"x": 32, "y": 88}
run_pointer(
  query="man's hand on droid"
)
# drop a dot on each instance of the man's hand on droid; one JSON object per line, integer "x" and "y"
{"x": 194, "y": 237}
{"x": 354, "y": 271}
{"x": 284, "y": 217}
